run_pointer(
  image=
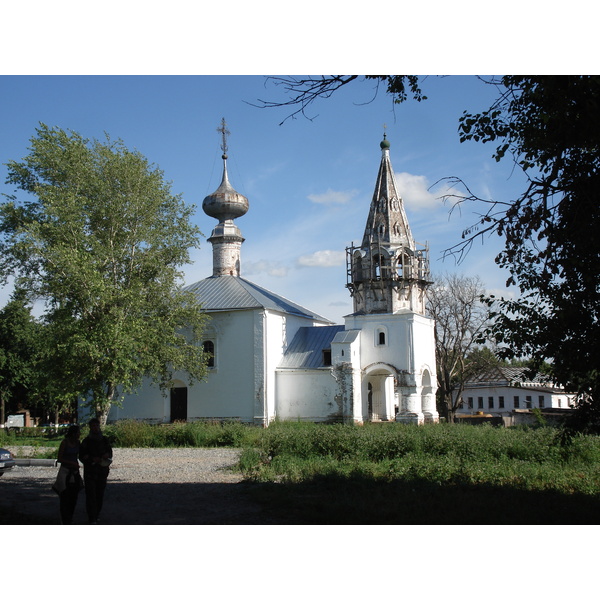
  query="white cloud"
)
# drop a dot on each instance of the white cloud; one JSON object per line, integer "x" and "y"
{"x": 272, "y": 268}
{"x": 416, "y": 194}
{"x": 333, "y": 197}
{"x": 322, "y": 258}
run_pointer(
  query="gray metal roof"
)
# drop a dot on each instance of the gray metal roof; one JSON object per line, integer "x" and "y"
{"x": 234, "y": 293}
{"x": 346, "y": 336}
{"x": 306, "y": 349}
{"x": 511, "y": 377}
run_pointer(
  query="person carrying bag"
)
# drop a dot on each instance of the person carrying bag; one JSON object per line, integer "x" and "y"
{"x": 68, "y": 481}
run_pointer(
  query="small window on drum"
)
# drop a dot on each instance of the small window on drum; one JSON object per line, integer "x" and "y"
{"x": 208, "y": 348}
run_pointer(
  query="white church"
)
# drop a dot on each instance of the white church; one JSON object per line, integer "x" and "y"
{"x": 273, "y": 359}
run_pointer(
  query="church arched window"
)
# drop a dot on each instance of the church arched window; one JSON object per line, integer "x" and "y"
{"x": 208, "y": 347}
{"x": 381, "y": 336}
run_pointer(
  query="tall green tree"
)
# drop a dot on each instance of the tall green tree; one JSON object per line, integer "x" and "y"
{"x": 549, "y": 126}
{"x": 102, "y": 239}
{"x": 19, "y": 351}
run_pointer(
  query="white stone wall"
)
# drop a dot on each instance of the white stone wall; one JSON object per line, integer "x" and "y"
{"x": 308, "y": 395}
{"x": 407, "y": 352}
{"x": 229, "y": 389}
{"x": 249, "y": 345}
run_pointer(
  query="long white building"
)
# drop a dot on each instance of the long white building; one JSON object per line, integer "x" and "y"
{"x": 500, "y": 391}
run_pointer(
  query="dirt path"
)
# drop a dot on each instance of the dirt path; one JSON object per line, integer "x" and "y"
{"x": 191, "y": 486}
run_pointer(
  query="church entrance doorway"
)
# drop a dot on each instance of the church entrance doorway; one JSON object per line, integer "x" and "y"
{"x": 379, "y": 390}
{"x": 178, "y": 404}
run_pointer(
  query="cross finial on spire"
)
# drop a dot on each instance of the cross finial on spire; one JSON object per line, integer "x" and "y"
{"x": 384, "y": 132}
{"x": 224, "y": 133}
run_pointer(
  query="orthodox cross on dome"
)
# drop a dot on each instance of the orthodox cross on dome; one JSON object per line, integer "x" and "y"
{"x": 224, "y": 133}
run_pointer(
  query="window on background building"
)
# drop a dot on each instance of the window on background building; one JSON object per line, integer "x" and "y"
{"x": 516, "y": 401}
{"x": 209, "y": 348}
{"x": 500, "y": 401}
{"x": 528, "y": 403}
{"x": 480, "y": 402}
{"x": 470, "y": 403}
{"x": 491, "y": 402}
{"x": 327, "y": 357}
{"x": 541, "y": 401}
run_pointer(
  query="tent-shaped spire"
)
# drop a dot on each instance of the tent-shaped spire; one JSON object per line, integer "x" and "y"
{"x": 388, "y": 273}
{"x": 387, "y": 222}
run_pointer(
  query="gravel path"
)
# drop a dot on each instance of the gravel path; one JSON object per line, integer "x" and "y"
{"x": 182, "y": 486}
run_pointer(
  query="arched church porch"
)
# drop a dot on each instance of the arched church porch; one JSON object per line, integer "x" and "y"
{"x": 378, "y": 393}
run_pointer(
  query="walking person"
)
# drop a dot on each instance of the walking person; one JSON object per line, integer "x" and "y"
{"x": 68, "y": 482}
{"x": 95, "y": 453}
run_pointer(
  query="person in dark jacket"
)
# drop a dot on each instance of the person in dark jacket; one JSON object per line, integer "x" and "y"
{"x": 95, "y": 453}
{"x": 68, "y": 482}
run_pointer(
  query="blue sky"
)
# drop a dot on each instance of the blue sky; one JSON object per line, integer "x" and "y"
{"x": 309, "y": 182}
{"x": 161, "y": 80}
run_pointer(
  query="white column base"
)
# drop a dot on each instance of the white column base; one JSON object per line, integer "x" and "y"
{"x": 431, "y": 417}
{"x": 410, "y": 418}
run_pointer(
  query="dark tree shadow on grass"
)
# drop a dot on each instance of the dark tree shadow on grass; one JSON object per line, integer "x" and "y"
{"x": 323, "y": 501}
{"x": 354, "y": 500}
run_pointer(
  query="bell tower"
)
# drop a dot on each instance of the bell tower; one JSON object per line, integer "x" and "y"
{"x": 389, "y": 272}
{"x": 392, "y": 369}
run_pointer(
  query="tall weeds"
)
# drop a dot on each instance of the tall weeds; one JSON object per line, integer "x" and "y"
{"x": 440, "y": 454}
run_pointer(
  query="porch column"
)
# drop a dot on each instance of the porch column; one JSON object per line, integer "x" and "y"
{"x": 430, "y": 412}
{"x": 410, "y": 408}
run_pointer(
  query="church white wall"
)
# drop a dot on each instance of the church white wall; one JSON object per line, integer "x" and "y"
{"x": 409, "y": 340}
{"x": 279, "y": 330}
{"x": 147, "y": 404}
{"x": 242, "y": 385}
{"x": 307, "y": 395}
{"x": 230, "y": 389}
{"x": 400, "y": 345}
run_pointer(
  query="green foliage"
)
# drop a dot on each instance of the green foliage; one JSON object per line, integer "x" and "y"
{"x": 532, "y": 459}
{"x": 138, "y": 434}
{"x": 550, "y": 127}
{"x": 103, "y": 241}
{"x": 19, "y": 352}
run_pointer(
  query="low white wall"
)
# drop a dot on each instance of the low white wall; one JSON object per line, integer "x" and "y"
{"x": 308, "y": 395}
